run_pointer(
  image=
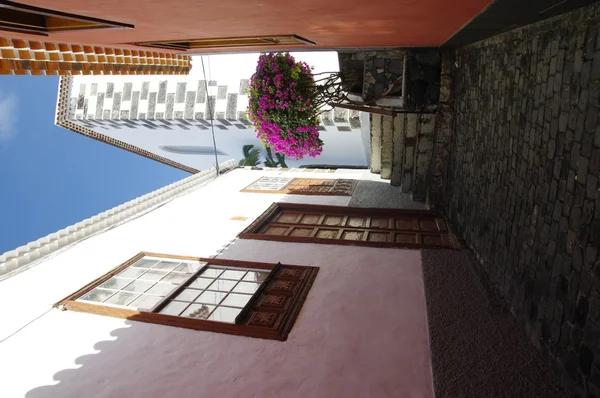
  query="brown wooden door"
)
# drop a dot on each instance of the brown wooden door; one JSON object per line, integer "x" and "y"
{"x": 347, "y": 225}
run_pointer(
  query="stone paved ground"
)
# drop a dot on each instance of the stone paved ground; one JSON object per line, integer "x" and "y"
{"x": 523, "y": 182}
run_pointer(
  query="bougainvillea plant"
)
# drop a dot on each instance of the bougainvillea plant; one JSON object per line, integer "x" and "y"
{"x": 284, "y": 106}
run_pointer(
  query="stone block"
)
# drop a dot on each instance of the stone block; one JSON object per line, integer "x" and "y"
{"x": 407, "y": 182}
{"x": 387, "y": 147}
{"x": 375, "y": 163}
{"x": 398, "y": 139}
{"x": 411, "y": 125}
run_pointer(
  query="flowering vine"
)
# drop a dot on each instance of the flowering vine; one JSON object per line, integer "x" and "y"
{"x": 284, "y": 106}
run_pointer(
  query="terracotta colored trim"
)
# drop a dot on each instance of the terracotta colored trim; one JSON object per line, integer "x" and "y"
{"x": 42, "y": 58}
{"x": 62, "y": 109}
{"x": 448, "y": 239}
{"x": 270, "y": 313}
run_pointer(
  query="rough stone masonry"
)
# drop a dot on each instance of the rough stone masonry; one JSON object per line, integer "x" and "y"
{"x": 523, "y": 182}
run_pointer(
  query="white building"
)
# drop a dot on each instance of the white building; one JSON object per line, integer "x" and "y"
{"x": 256, "y": 283}
{"x": 171, "y": 118}
{"x": 66, "y": 353}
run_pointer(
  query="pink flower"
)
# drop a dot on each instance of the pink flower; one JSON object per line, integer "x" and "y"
{"x": 281, "y": 106}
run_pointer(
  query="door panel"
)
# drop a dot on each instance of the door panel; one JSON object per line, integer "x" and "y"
{"x": 348, "y": 225}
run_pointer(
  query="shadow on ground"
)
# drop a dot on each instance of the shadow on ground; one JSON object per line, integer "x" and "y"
{"x": 380, "y": 194}
{"x": 477, "y": 347}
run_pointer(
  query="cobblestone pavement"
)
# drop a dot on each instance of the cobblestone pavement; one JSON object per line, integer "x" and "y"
{"x": 523, "y": 182}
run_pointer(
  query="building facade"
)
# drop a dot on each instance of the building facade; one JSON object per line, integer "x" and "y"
{"x": 172, "y": 119}
{"x": 329, "y": 343}
{"x": 306, "y": 282}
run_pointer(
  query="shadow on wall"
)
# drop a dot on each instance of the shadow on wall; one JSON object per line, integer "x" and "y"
{"x": 150, "y": 360}
{"x": 92, "y": 368}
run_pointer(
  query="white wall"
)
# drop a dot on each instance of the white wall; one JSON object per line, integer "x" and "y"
{"x": 362, "y": 331}
{"x": 341, "y": 147}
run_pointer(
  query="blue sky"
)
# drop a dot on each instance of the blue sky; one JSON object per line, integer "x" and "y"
{"x": 50, "y": 177}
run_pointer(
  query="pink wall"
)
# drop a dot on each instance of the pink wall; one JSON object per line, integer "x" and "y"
{"x": 361, "y": 333}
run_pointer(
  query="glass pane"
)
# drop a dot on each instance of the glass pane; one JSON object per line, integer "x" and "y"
{"x": 132, "y": 273}
{"x": 122, "y": 298}
{"x": 225, "y": 314}
{"x": 166, "y": 265}
{"x": 201, "y": 283}
{"x": 199, "y": 311}
{"x": 97, "y": 295}
{"x": 145, "y": 263}
{"x": 223, "y": 285}
{"x": 212, "y": 272}
{"x": 211, "y": 297}
{"x": 190, "y": 267}
{"x": 153, "y": 275}
{"x": 174, "y": 308}
{"x": 116, "y": 283}
{"x": 138, "y": 286}
{"x": 161, "y": 289}
{"x": 145, "y": 302}
{"x": 256, "y": 276}
{"x": 246, "y": 287}
{"x": 231, "y": 274}
{"x": 176, "y": 278}
{"x": 188, "y": 295}
{"x": 237, "y": 300}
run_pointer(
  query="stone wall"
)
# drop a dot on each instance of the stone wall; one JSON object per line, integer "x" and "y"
{"x": 423, "y": 77}
{"x": 401, "y": 150}
{"x": 523, "y": 182}
{"x": 444, "y": 125}
{"x": 370, "y": 73}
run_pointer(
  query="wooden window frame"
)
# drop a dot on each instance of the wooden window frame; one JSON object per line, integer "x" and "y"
{"x": 252, "y": 231}
{"x": 69, "y": 22}
{"x": 227, "y": 42}
{"x": 288, "y": 189}
{"x": 270, "y": 313}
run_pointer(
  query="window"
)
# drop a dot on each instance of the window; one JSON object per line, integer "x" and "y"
{"x": 191, "y": 150}
{"x": 200, "y": 44}
{"x": 235, "y": 297}
{"x": 302, "y": 186}
{"x": 16, "y": 17}
{"x": 292, "y": 222}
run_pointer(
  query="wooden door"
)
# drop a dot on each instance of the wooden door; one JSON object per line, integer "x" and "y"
{"x": 352, "y": 226}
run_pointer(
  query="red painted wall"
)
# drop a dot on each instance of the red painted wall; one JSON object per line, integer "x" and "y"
{"x": 331, "y": 24}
